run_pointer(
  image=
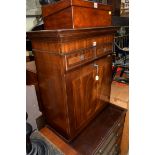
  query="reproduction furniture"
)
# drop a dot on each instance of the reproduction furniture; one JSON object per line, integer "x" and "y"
{"x": 74, "y": 75}
{"x": 101, "y": 137}
{"x": 67, "y": 14}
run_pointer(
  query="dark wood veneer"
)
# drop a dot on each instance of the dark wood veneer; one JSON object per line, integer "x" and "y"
{"x": 76, "y": 14}
{"x": 71, "y": 97}
{"x": 103, "y": 134}
{"x": 101, "y": 137}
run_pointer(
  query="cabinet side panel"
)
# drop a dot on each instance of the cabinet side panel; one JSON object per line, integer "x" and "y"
{"x": 61, "y": 19}
{"x": 47, "y": 46}
{"x": 51, "y": 86}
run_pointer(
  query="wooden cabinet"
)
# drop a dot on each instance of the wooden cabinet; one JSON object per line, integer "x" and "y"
{"x": 74, "y": 75}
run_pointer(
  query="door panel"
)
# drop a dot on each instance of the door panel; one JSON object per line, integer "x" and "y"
{"x": 104, "y": 84}
{"x": 85, "y": 93}
{"x": 81, "y": 90}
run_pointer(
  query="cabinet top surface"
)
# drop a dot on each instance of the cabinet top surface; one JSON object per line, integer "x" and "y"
{"x": 70, "y": 33}
{"x": 76, "y": 30}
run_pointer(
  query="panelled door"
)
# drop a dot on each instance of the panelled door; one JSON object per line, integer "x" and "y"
{"x": 88, "y": 88}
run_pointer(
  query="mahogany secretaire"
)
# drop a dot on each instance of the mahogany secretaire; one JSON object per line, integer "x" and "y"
{"x": 74, "y": 75}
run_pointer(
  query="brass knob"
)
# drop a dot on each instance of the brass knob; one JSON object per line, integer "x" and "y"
{"x": 109, "y": 12}
{"x": 116, "y": 145}
{"x": 81, "y": 57}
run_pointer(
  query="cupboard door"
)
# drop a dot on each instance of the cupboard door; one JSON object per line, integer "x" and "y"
{"x": 81, "y": 88}
{"x": 104, "y": 82}
{"x": 87, "y": 93}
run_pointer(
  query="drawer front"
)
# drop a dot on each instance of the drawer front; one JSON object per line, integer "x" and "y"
{"x": 80, "y": 44}
{"x": 110, "y": 143}
{"x": 104, "y": 49}
{"x": 112, "y": 140}
{"x": 81, "y": 57}
{"x": 86, "y": 55}
{"x": 79, "y": 52}
{"x": 115, "y": 150}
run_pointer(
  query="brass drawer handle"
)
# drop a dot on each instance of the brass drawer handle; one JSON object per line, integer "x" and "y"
{"x": 116, "y": 145}
{"x": 100, "y": 151}
{"x": 117, "y": 135}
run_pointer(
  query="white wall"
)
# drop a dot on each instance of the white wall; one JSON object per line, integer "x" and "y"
{"x": 33, "y": 9}
{"x": 30, "y": 23}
